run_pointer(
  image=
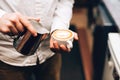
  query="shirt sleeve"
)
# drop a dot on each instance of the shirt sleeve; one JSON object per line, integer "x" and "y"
{"x": 62, "y": 15}
{"x": 2, "y": 13}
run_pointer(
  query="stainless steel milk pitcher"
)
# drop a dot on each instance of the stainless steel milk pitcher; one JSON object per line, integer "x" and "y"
{"x": 26, "y": 43}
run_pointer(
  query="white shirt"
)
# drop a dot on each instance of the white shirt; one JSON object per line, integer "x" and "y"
{"x": 53, "y": 14}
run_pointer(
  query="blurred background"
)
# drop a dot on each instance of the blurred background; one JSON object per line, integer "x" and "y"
{"x": 93, "y": 20}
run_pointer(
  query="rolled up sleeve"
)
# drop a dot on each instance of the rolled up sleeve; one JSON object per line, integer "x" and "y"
{"x": 62, "y": 15}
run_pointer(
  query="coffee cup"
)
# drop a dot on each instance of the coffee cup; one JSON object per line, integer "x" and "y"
{"x": 64, "y": 36}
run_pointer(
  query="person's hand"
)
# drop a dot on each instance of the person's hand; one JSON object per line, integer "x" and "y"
{"x": 55, "y": 47}
{"x": 13, "y": 23}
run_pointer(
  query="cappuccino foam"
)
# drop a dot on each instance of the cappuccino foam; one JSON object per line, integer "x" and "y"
{"x": 62, "y": 35}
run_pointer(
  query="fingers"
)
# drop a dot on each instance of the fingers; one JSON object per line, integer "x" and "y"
{"x": 55, "y": 47}
{"x": 9, "y": 28}
{"x": 17, "y": 25}
{"x": 75, "y": 36}
{"x": 64, "y": 48}
{"x": 27, "y": 25}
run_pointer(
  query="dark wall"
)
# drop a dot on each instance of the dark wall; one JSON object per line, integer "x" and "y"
{"x": 85, "y": 3}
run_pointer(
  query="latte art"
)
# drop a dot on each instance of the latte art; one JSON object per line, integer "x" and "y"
{"x": 63, "y": 37}
{"x": 62, "y": 34}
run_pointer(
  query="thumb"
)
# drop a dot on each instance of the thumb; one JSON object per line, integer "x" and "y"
{"x": 75, "y": 36}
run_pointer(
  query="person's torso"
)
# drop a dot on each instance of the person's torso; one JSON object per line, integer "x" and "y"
{"x": 44, "y": 9}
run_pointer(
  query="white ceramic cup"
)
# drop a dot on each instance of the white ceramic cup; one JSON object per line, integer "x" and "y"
{"x": 64, "y": 36}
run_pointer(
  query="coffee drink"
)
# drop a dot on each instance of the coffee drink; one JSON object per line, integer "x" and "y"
{"x": 63, "y": 36}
